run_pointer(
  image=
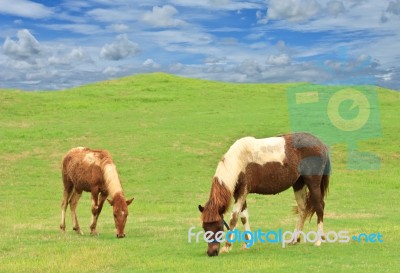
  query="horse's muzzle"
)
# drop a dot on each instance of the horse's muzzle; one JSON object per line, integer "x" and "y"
{"x": 212, "y": 253}
{"x": 120, "y": 236}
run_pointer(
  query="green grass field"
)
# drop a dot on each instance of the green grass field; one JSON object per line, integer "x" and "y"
{"x": 166, "y": 135}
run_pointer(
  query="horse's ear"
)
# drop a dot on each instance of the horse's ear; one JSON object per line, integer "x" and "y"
{"x": 111, "y": 202}
{"x": 201, "y": 208}
{"x": 128, "y": 202}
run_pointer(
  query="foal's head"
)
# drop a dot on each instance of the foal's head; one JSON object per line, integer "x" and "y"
{"x": 213, "y": 223}
{"x": 120, "y": 211}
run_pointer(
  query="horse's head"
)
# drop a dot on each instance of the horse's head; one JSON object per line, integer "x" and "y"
{"x": 213, "y": 225}
{"x": 120, "y": 211}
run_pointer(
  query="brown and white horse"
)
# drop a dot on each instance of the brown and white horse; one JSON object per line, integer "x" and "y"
{"x": 268, "y": 166}
{"x": 92, "y": 171}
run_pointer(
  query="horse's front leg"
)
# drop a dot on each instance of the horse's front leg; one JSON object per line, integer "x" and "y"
{"x": 95, "y": 212}
{"x": 244, "y": 217}
{"x": 237, "y": 208}
{"x": 101, "y": 199}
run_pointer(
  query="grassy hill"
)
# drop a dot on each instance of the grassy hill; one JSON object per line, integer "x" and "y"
{"x": 166, "y": 135}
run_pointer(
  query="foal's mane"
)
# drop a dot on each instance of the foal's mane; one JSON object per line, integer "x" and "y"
{"x": 218, "y": 202}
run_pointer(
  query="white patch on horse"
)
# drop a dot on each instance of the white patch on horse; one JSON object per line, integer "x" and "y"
{"x": 320, "y": 233}
{"x": 89, "y": 158}
{"x": 112, "y": 180}
{"x": 247, "y": 150}
{"x": 268, "y": 150}
{"x": 244, "y": 214}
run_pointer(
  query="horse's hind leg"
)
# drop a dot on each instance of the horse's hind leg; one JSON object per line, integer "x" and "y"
{"x": 73, "y": 204}
{"x": 68, "y": 188}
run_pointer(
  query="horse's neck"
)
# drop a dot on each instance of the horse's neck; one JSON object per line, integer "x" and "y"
{"x": 233, "y": 163}
{"x": 219, "y": 201}
{"x": 111, "y": 178}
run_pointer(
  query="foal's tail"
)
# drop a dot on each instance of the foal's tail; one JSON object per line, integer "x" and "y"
{"x": 310, "y": 210}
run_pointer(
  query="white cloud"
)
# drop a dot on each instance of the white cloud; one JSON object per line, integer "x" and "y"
{"x": 25, "y": 47}
{"x": 163, "y": 17}
{"x": 119, "y": 27}
{"x": 111, "y": 70}
{"x": 150, "y": 63}
{"x": 249, "y": 67}
{"x": 335, "y": 7}
{"x": 120, "y": 49}
{"x": 292, "y": 10}
{"x": 394, "y": 7}
{"x": 281, "y": 59}
{"x": 77, "y": 28}
{"x": 25, "y": 8}
{"x": 76, "y": 55}
{"x": 75, "y": 5}
{"x": 218, "y": 4}
{"x": 114, "y": 14}
{"x": 386, "y": 77}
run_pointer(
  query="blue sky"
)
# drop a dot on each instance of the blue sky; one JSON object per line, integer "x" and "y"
{"x": 60, "y": 44}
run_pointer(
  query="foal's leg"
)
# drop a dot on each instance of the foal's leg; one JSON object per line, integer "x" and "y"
{"x": 96, "y": 209}
{"x": 300, "y": 196}
{"x": 314, "y": 185}
{"x": 73, "y": 204}
{"x": 237, "y": 208}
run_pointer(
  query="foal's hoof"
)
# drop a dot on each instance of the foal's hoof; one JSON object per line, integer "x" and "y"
{"x": 94, "y": 233}
{"x": 225, "y": 249}
{"x": 78, "y": 231}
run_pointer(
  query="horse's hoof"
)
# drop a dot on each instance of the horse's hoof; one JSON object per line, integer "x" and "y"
{"x": 225, "y": 249}
{"x": 78, "y": 231}
{"x": 94, "y": 233}
{"x": 317, "y": 243}
{"x": 245, "y": 247}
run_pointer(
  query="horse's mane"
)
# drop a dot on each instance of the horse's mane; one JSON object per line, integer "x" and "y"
{"x": 218, "y": 203}
{"x": 233, "y": 162}
{"x": 111, "y": 178}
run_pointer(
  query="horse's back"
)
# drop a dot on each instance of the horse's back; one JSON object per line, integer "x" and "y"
{"x": 312, "y": 154}
{"x": 278, "y": 162}
{"x": 304, "y": 140}
{"x": 83, "y": 167}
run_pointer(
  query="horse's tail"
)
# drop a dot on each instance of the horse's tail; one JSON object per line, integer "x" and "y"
{"x": 325, "y": 178}
{"x": 310, "y": 210}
